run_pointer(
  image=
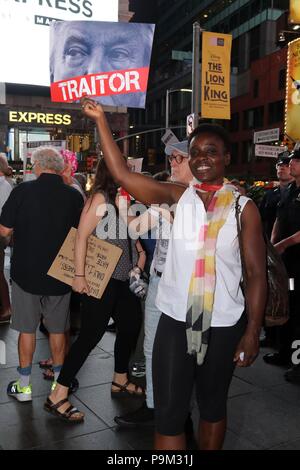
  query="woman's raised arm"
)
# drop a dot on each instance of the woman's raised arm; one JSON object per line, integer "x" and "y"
{"x": 141, "y": 187}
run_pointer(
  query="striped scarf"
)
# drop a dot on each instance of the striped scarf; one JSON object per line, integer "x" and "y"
{"x": 203, "y": 280}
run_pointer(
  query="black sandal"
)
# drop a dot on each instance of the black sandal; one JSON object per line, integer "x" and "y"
{"x": 124, "y": 391}
{"x": 66, "y": 415}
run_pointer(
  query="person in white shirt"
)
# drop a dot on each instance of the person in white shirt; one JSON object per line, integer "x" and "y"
{"x": 203, "y": 332}
{"x": 162, "y": 220}
{"x": 5, "y": 190}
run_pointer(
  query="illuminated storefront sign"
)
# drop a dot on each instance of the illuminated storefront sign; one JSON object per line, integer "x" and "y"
{"x": 25, "y": 117}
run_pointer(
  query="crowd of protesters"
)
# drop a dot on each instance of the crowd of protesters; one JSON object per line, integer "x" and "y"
{"x": 196, "y": 329}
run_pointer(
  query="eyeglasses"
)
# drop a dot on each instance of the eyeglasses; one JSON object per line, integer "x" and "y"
{"x": 178, "y": 158}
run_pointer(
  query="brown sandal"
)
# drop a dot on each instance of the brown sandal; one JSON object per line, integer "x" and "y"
{"x": 67, "y": 415}
{"x": 46, "y": 364}
{"x": 48, "y": 374}
{"x": 124, "y": 391}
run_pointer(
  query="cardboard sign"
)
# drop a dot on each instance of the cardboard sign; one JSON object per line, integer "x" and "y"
{"x": 101, "y": 260}
{"x": 29, "y": 147}
{"x": 135, "y": 164}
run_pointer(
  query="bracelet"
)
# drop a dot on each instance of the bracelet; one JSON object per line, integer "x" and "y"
{"x": 142, "y": 251}
{"x": 79, "y": 275}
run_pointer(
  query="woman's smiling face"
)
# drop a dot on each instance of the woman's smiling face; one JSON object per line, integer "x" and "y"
{"x": 208, "y": 157}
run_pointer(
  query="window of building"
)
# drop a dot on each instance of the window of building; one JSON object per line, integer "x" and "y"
{"x": 254, "y": 43}
{"x": 282, "y": 79}
{"x": 234, "y": 152}
{"x": 247, "y": 147}
{"x": 244, "y": 14}
{"x": 276, "y": 111}
{"x": 234, "y": 21}
{"x": 253, "y": 118}
{"x": 234, "y": 122}
{"x": 255, "y": 88}
{"x": 235, "y": 52}
{"x": 255, "y": 7}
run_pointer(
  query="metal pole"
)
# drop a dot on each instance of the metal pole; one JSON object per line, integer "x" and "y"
{"x": 159, "y": 129}
{"x": 196, "y": 72}
{"x": 167, "y": 125}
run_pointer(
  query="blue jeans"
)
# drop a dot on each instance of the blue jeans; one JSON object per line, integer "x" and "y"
{"x": 152, "y": 316}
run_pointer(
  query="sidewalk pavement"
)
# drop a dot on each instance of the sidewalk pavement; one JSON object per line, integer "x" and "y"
{"x": 263, "y": 409}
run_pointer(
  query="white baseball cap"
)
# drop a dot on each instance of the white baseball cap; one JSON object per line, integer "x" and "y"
{"x": 181, "y": 147}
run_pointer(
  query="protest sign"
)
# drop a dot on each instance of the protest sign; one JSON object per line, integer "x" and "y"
{"x": 135, "y": 164}
{"x": 105, "y": 60}
{"x": 101, "y": 260}
{"x": 29, "y": 147}
{"x": 169, "y": 137}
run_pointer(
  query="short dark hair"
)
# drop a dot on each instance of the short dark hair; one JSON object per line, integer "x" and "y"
{"x": 208, "y": 128}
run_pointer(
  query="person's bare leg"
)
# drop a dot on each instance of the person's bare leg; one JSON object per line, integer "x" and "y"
{"x": 60, "y": 393}
{"x": 59, "y": 344}
{"x": 162, "y": 442}
{"x": 212, "y": 435}
{"x": 58, "y": 347}
{"x": 26, "y": 347}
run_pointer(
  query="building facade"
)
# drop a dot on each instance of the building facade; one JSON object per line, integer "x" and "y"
{"x": 257, "y": 73}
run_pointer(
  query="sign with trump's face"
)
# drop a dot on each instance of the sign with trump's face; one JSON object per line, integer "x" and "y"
{"x": 105, "y": 60}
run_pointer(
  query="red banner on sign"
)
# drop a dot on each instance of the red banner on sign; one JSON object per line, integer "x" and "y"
{"x": 101, "y": 84}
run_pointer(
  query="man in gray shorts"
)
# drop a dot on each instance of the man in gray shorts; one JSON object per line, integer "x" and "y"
{"x": 40, "y": 214}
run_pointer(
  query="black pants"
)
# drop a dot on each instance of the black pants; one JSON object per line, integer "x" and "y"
{"x": 175, "y": 372}
{"x": 96, "y": 313}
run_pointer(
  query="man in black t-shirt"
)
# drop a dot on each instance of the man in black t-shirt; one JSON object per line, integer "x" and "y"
{"x": 39, "y": 214}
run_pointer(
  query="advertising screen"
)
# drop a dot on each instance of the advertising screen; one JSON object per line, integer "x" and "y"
{"x": 25, "y": 33}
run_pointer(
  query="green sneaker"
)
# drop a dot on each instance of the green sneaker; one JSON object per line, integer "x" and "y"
{"x": 20, "y": 393}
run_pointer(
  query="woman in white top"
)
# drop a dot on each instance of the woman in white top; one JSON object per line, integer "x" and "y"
{"x": 202, "y": 332}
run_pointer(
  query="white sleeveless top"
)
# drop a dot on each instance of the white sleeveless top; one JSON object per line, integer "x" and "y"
{"x": 173, "y": 288}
